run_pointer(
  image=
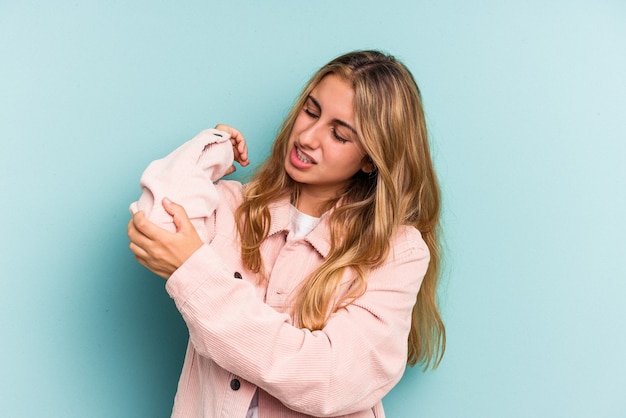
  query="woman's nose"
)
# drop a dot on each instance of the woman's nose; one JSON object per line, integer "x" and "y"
{"x": 310, "y": 136}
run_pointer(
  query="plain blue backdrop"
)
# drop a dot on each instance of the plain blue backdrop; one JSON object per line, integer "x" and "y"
{"x": 526, "y": 105}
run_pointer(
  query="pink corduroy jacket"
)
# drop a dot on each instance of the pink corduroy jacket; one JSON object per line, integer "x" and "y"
{"x": 241, "y": 335}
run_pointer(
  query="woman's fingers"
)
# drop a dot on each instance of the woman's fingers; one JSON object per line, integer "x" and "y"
{"x": 159, "y": 250}
{"x": 240, "y": 148}
{"x": 242, "y": 152}
{"x": 143, "y": 227}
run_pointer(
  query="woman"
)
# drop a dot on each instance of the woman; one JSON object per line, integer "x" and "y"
{"x": 311, "y": 278}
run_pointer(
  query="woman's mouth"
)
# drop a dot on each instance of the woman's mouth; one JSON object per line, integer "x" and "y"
{"x": 303, "y": 157}
{"x": 300, "y": 159}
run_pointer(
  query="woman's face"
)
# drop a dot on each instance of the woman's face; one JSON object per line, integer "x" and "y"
{"x": 324, "y": 151}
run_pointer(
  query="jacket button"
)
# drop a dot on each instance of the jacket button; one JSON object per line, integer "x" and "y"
{"x": 237, "y": 275}
{"x": 235, "y": 384}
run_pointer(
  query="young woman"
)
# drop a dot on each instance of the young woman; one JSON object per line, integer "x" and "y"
{"x": 316, "y": 282}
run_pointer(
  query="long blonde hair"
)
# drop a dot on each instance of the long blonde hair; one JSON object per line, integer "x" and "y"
{"x": 402, "y": 190}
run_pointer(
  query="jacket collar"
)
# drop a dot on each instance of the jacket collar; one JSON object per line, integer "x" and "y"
{"x": 319, "y": 237}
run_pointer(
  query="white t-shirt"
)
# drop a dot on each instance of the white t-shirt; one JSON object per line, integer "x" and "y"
{"x": 301, "y": 223}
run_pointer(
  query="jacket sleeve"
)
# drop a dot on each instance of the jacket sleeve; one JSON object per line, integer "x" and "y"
{"x": 186, "y": 176}
{"x": 348, "y": 366}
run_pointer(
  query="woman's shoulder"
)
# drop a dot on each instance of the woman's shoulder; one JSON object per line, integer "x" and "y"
{"x": 408, "y": 239}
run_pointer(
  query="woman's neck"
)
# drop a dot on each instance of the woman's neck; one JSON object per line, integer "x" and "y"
{"x": 314, "y": 200}
{"x": 308, "y": 205}
{"x": 313, "y": 204}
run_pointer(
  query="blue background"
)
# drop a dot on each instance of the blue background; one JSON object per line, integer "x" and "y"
{"x": 526, "y": 105}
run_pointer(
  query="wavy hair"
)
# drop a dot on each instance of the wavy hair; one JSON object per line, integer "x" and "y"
{"x": 402, "y": 190}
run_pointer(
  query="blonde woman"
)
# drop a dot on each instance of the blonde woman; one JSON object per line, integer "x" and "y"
{"x": 316, "y": 281}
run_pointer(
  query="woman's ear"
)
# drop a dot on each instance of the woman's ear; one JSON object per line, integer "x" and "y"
{"x": 367, "y": 165}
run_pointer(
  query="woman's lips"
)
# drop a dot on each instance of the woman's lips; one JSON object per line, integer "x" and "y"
{"x": 300, "y": 159}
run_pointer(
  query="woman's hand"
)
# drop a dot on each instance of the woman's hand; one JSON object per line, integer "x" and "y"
{"x": 159, "y": 250}
{"x": 240, "y": 149}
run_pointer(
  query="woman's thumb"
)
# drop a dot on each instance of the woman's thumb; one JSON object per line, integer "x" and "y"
{"x": 181, "y": 220}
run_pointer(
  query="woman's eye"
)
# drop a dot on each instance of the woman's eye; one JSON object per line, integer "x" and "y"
{"x": 310, "y": 113}
{"x": 338, "y": 137}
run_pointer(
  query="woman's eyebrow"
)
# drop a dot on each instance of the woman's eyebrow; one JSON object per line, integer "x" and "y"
{"x": 315, "y": 102}
{"x": 346, "y": 124}
{"x": 337, "y": 121}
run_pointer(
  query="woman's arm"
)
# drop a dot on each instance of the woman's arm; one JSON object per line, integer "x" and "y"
{"x": 348, "y": 366}
{"x": 187, "y": 175}
{"x": 194, "y": 165}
